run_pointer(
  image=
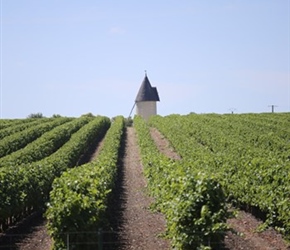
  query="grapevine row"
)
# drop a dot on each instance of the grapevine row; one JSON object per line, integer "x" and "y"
{"x": 252, "y": 163}
{"x": 20, "y": 139}
{"x": 22, "y": 126}
{"x": 79, "y": 198}
{"x": 193, "y": 203}
{"x": 45, "y": 145}
{"x": 6, "y": 123}
{"x": 26, "y": 187}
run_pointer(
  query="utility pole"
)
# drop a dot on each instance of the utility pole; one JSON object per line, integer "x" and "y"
{"x": 272, "y": 106}
{"x": 232, "y": 110}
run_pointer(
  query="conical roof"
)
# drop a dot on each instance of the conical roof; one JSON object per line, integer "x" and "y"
{"x": 147, "y": 92}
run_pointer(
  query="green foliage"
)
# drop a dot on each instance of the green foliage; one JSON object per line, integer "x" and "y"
{"x": 27, "y": 186}
{"x": 45, "y": 145}
{"x": 88, "y": 115}
{"x": 35, "y": 115}
{"x": 193, "y": 202}
{"x": 129, "y": 122}
{"x": 239, "y": 158}
{"x": 28, "y": 132}
{"x": 248, "y": 154}
{"x": 17, "y": 127}
{"x": 79, "y": 198}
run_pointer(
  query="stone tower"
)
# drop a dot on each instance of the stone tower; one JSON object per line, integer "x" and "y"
{"x": 146, "y": 99}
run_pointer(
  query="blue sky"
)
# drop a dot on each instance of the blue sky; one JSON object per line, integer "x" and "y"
{"x": 74, "y": 57}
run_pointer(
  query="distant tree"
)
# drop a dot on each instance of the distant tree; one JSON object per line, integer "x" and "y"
{"x": 36, "y": 115}
{"x": 88, "y": 114}
{"x": 129, "y": 121}
{"x": 56, "y": 115}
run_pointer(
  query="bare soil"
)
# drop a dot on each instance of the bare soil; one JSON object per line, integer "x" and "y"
{"x": 28, "y": 234}
{"x": 246, "y": 235}
{"x": 141, "y": 228}
{"x": 163, "y": 144}
{"x": 136, "y": 226}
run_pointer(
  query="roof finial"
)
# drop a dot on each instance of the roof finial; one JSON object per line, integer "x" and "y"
{"x": 145, "y": 72}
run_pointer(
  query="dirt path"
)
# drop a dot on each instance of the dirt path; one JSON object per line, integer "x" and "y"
{"x": 29, "y": 234}
{"x": 246, "y": 235}
{"x": 163, "y": 144}
{"x": 140, "y": 227}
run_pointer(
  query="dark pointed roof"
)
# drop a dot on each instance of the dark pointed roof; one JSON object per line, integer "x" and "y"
{"x": 147, "y": 92}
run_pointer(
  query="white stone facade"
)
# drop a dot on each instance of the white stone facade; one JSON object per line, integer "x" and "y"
{"x": 146, "y": 109}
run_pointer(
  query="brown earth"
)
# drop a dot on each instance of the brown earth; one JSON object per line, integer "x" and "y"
{"x": 163, "y": 144}
{"x": 139, "y": 228}
{"x": 246, "y": 235}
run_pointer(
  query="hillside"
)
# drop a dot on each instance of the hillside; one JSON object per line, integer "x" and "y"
{"x": 135, "y": 225}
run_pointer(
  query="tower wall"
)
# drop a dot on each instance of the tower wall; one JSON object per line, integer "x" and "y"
{"x": 146, "y": 109}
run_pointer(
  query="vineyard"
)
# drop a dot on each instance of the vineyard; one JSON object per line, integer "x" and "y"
{"x": 225, "y": 162}
{"x": 249, "y": 155}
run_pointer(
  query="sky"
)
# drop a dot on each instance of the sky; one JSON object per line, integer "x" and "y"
{"x": 76, "y": 57}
